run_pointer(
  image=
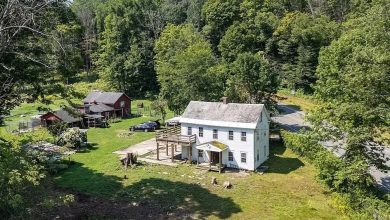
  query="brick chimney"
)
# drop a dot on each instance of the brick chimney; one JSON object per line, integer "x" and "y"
{"x": 225, "y": 100}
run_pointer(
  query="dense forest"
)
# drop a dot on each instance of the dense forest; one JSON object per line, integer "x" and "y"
{"x": 338, "y": 51}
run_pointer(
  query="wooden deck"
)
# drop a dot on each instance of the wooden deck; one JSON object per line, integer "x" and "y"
{"x": 173, "y": 135}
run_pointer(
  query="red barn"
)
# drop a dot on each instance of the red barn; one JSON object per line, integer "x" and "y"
{"x": 61, "y": 116}
{"x": 107, "y": 104}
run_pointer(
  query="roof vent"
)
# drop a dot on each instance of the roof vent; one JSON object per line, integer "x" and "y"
{"x": 225, "y": 100}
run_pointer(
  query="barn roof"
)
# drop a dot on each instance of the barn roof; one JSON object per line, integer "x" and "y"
{"x": 91, "y": 97}
{"x": 231, "y": 114}
{"x": 100, "y": 107}
{"x": 64, "y": 115}
{"x": 103, "y": 97}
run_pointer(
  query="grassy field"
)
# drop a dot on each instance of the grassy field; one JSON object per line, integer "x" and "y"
{"x": 298, "y": 101}
{"x": 287, "y": 191}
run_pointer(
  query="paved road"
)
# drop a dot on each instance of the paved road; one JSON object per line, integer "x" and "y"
{"x": 293, "y": 120}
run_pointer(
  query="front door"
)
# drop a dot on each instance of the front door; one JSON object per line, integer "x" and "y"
{"x": 214, "y": 157}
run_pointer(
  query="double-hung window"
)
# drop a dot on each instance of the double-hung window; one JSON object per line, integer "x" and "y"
{"x": 231, "y": 134}
{"x": 215, "y": 134}
{"x": 200, "y": 132}
{"x": 230, "y": 156}
{"x": 243, "y": 136}
{"x": 189, "y": 131}
{"x": 243, "y": 157}
{"x": 200, "y": 153}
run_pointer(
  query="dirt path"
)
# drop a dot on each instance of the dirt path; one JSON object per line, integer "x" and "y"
{"x": 140, "y": 148}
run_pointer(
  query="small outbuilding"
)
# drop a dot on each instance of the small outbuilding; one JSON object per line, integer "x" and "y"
{"x": 61, "y": 116}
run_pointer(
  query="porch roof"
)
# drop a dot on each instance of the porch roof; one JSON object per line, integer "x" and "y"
{"x": 215, "y": 146}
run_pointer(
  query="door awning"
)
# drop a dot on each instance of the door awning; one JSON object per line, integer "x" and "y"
{"x": 214, "y": 146}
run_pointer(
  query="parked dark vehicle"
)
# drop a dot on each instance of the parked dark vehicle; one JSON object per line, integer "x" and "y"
{"x": 146, "y": 126}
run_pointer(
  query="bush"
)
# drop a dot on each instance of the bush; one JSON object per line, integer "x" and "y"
{"x": 73, "y": 138}
{"x": 18, "y": 175}
{"x": 350, "y": 179}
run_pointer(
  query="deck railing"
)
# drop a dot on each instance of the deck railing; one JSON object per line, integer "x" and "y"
{"x": 172, "y": 134}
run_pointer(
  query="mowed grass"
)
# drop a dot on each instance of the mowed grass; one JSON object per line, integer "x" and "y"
{"x": 288, "y": 190}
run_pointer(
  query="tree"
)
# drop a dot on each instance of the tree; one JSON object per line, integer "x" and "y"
{"x": 160, "y": 106}
{"x": 353, "y": 81}
{"x": 252, "y": 80}
{"x": 183, "y": 58}
{"x": 296, "y": 44}
{"x": 250, "y": 35}
{"x": 33, "y": 62}
{"x": 194, "y": 13}
{"x": 86, "y": 12}
{"x": 218, "y": 16}
{"x": 19, "y": 175}
{"x": 125, "y": 55}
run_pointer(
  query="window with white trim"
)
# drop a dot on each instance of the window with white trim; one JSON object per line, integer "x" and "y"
{"x": 122, "y": 104}
{"x": 231, "y": 134}
{"x": 215, "y": 134}
{"x": 200, "y": 153}
{"x": 230, "y": 156}
{"x": 243, "y": 157}
{"x": 243, "y": 136}
{"x": 200, "y": 132}
{"x": 189, "y": 131}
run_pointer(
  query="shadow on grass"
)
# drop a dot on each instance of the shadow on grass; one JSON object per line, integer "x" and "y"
{"x": 150, "y": 198}
{"x": 279, "y": 164}
{"x": 90, "y": 147}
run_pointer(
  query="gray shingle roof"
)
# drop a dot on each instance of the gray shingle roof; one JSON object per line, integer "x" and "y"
{"x": 217, "y": 111}
{"x": 103, "y": 97}
{"x": 98, "y": 108}
{"x": 66, "y": 116}
{"x": 91, "y": 97}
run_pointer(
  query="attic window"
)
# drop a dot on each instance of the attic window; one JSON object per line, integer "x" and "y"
{"x": 122, "y": 104}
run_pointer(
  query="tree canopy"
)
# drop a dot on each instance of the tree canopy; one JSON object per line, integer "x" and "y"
{"x": 353, "y": 81}
{"x": 183, "y": 58}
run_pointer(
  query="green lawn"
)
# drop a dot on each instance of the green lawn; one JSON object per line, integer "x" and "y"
{"x": 287, "y": 191}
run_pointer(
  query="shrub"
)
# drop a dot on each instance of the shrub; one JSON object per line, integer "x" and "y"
{"x": 18, "y": 175}
{"x": 350, "y": 179}
{"x": 73, "y": 138}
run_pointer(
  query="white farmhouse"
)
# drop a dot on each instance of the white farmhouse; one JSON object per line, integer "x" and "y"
{"x": 227, "y": 134}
